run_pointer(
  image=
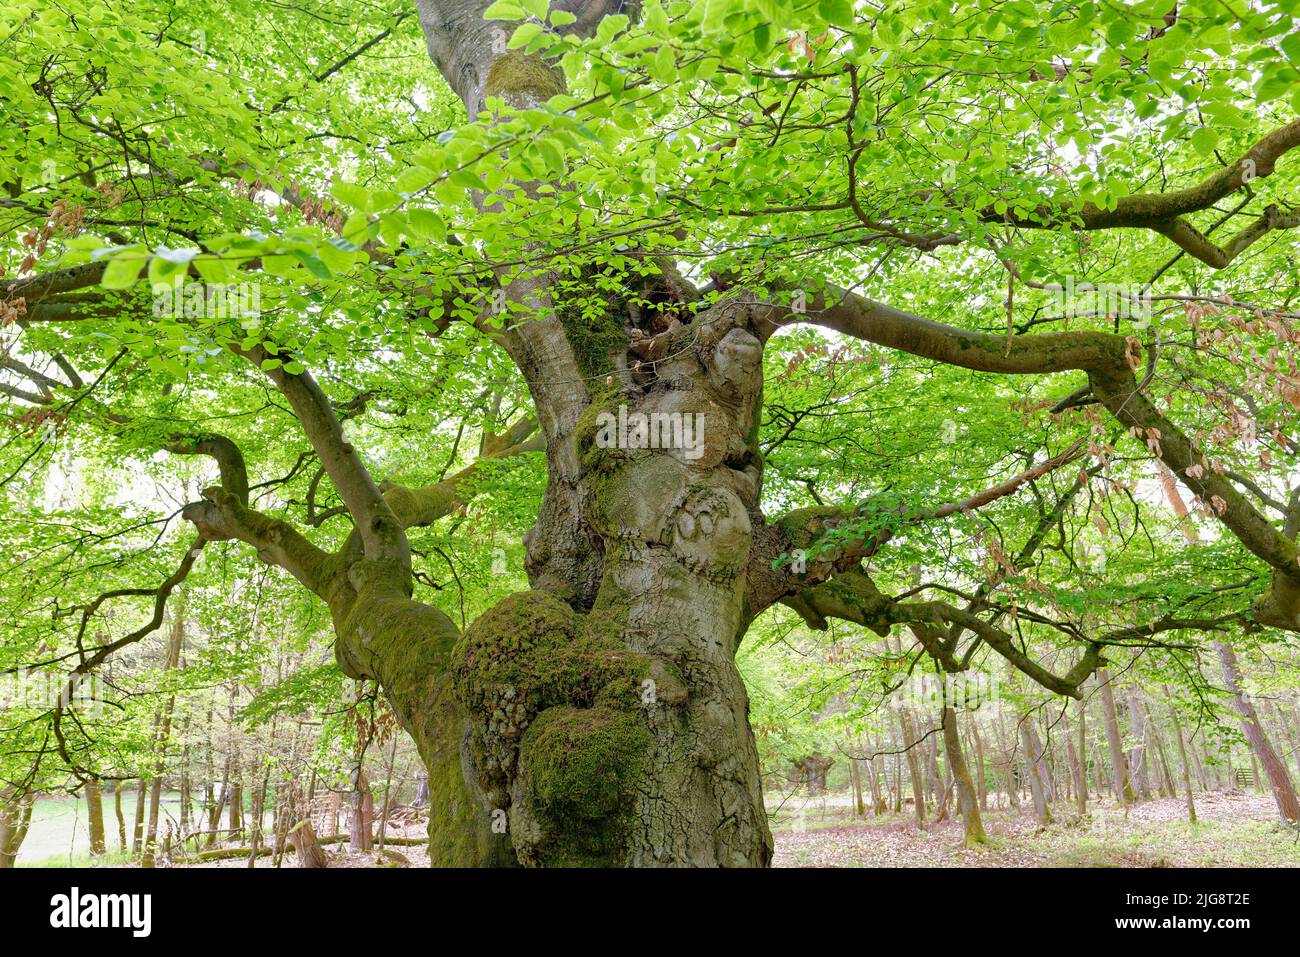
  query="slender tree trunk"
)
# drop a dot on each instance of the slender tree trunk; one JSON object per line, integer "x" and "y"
{"x": 223, "y": 794}
{"x": 1201, "y": 776}
{"x": 1182, "y": 754}
{"x": 1284, "y": 794}
{"x": 1167, "y": 788}
{"x": 362, "y": 811}
{"x": 388, "y": 793}
{"x": 236, "y": 810}
{"x": 937, "y": 787}
{"x": 1034, "y": 761}
{"x": 95, "y": 817}
{"x": 1292, "y": 742}
{"x": 877, "y": 771}
{"x": 1137, "y": 763}
{"x": 981, "y": 777}
{"x": 855, "y": 774}
{"x": 121, "y": 818}
{"x": 1008, "y": 762}
{"x": 15, "y": 819}
{"x": 186, "y": 784}
{"x": 1083, "y": 757}
{"x": 913, "y": 766}
{"x": 1123, "y": 784}
{"x": 137, "y": 830}
{"x": 260, "y": 793}
{"x": 162, "y": 731}
{"x": 1078, "y": 776}
{"x": 235, "y": 796}
{"x": 966, "y": 793}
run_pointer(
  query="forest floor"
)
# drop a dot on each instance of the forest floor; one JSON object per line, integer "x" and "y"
{"x": 1234, "y": 830}
{"x": 340, "y": 855}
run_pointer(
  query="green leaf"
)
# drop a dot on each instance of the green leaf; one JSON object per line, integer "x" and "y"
{"x": 524, "y": 34}
{"x": 610, "y": 27}
{"x": 837, "y": 12}
{"x": 425, "y": 224}
{"x": 313, "y": 263}
{"x": 1204, "y": 140}
{"x": 123, "y": 269}
{"x": 504, "y": 10}
{"x": 350, "y": 194}
{"x": 213, "y": 269}
{"x": 1291, "y": 47}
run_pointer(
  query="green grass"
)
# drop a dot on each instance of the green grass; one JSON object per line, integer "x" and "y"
{"x": 60, "y": 833}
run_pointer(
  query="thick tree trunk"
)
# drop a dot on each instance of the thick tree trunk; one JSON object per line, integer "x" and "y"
{"x": 1284, "y": 794}
{"x": 302, "y": 838}
{"x": 607, "y": 721}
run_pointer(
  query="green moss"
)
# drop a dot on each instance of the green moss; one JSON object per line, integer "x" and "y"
{"x": 595, "y": 332}
{"x": 605, "y": 397}
{"x": 804, "y": 526}
{"x": 582, "y": 762}
{"x": 412, "y": 505}
{"x": 582, "y": 767}
{"x": 555, "y": 701}
{"x": 516, "y": 74}
{"x": 533, "y": 650}
{"x": 457, "y": 830}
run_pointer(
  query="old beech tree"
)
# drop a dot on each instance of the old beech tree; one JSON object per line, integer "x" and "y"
{"x": 637, "y": 199}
